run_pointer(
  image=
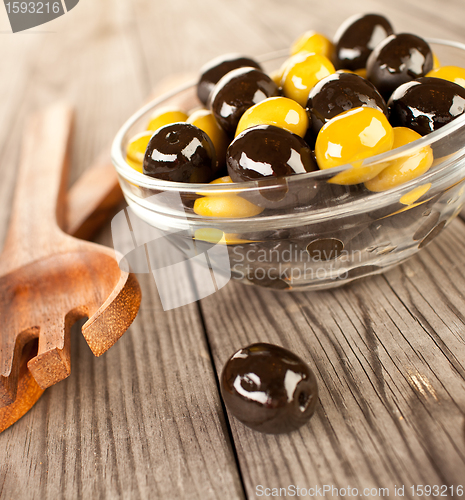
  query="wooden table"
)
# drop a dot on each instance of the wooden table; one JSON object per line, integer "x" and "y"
{"x": 146, "y": 420}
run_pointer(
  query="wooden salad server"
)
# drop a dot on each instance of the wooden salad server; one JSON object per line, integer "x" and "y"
{"x": 48, "y": 279}
{"x": 91, "y": 201}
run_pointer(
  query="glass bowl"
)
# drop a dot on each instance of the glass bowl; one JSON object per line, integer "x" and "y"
{"x": 312, "y": 233}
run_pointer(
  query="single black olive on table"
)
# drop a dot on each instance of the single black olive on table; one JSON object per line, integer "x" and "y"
{"x": 214, "y": 70}
{"x": 357, "y": 37}
{"x": 398, "y": 59}
{"x": 426, "y": 104}
{"x": 340, "y": 92}
{"x": 180, "y": 152}
{"x": 236, "y": 92}
{"x": 269, "y": 388}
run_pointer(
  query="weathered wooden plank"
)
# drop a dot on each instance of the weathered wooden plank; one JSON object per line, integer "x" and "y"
{"x": 388, "y": 355}
{"x": 145, "y": 420}
{"x": 142, "y": 421}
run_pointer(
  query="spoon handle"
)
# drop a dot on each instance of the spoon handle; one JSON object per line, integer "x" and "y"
{"x": 97, "y": 195}
{"x": 39, "y": 209}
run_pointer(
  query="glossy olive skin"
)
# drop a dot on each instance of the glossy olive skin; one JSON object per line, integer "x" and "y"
{"x": 426, "y": 104}
{"x": 236, "y": 92}
{"x": 396, "y": 60}
{"x": 214, "y": 70}
{"x": 269, "y": 154}
{"x": 264, "y": 151}
{"x": 269, "y": 388}
{"x": 350, "y": 138}
{"x": 338, "y": 93}
{"x": 279, "y": 111}
{"x": 180, "y": 152}
{"x": 302, "y": 72}
{"x": 357, "y": 37}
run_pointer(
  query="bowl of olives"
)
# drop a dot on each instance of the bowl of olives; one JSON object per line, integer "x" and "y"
{"x": 313, "y": 167}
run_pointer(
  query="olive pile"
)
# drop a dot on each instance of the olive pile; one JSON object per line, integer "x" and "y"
{"x": 331, "y": 103}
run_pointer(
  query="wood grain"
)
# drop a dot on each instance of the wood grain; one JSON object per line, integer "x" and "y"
{"x": 146, "y": 420}
{"x": 126, "y": 426}
{"x": 390, "y": 371}
{"x": 93, "y": 198}
{"x": 90, "y": 202}
{"x": 96, "y": 196}
{"x": 28, "y": 392}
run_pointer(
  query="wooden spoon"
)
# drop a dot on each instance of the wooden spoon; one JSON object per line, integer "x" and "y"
{"x": 48, "y": 279}
{"x": 91, "y": 201}
{"x": 97, "y": 195}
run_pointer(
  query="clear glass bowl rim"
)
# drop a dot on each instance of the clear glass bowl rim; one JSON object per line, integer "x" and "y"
{"x": 131, "y": 175}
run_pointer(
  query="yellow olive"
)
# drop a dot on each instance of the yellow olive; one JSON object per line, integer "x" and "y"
{"x": 226, "y": 205}
{"x": 415, "y": 194}
{"x": 454, "y": 74}
{"x": 221, "y": 180}
{"x": 216, "y": 236}
{"x": 277, "y": 75}
{"x": 279, "y": 111}
{"x": 351, "y": 137}
{"x": 404, "y": 168}
{"x": 204, "y": 120}
{"x": 302, "y": 72}
{"x": 136, "y": 149}
{"x": 311, "y": 41}
{"x": 166, "y": 116}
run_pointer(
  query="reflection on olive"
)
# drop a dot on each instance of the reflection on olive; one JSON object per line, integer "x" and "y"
{"x": 338, "y": 93}
{"x": 266, "y": 151}
{"x": 238, "y": 91}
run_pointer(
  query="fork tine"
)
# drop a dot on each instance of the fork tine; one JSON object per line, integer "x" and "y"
{"x": 9, "y": 380}
{"x": 115, "y": 316}
{"x": 53, "y": 361}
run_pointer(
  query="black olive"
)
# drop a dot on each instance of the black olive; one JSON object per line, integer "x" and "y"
{"x": 180, "y": 152}
{"x": 357, "y": 37}
{"x": 340, "y": 92}
{"x": 269, "y": 388}
{"x": 396, "y": 60}
{"x": 268, "y": 154}
{"x": 214, "y": 70}
{"x": 236, "y": 92}
{"x": 266, "y": 151}
{"x": 426, "y": 104}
